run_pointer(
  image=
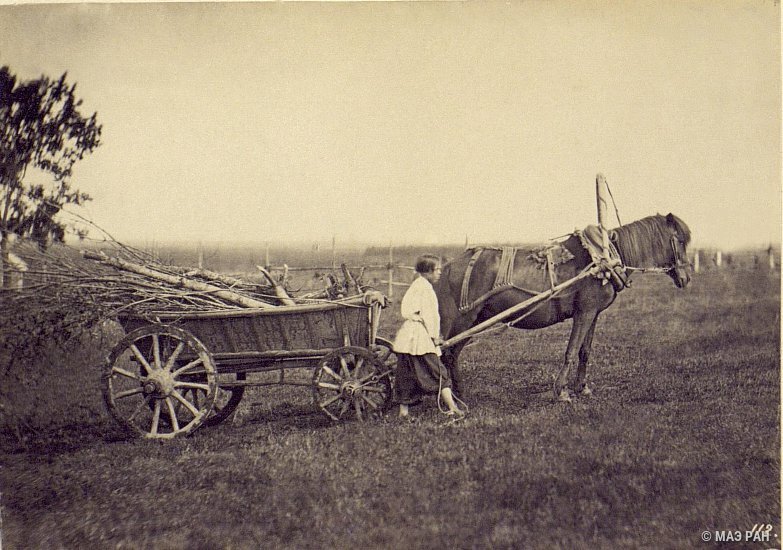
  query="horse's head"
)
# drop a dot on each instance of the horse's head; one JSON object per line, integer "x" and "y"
{"x": 656, "y": 243}
{"x": 680, "y": 237}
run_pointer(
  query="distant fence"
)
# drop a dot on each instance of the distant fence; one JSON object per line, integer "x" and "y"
{"x": 387, "y": 268}
{"x": 384, "y": 268}
{"x": 394, "y": 274}
{"x": 391, "y": 274}
{"x": 709, "y": 258}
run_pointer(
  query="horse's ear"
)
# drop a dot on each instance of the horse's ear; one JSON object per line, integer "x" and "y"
{"x": 613, "y": 236}
{"x": 670, "y": 219}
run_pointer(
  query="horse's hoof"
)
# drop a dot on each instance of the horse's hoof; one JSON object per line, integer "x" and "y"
{"x": 585, "y": 391}
{"x": 564, "y": 396}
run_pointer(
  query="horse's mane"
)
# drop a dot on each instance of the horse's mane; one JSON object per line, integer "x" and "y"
{"x": 647, "y": 241}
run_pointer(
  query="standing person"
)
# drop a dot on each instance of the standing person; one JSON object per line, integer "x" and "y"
{"x": 417, "y": 345}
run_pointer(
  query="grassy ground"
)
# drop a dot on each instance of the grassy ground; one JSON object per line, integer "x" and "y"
{"x": 682, "y": 436}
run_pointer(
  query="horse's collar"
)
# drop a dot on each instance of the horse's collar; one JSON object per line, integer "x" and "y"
{"x": 615, "y": 270}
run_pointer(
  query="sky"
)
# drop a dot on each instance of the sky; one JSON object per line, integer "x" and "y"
{"x": 417, "y": 122}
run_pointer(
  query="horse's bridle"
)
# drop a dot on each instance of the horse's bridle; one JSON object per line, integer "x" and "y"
{"x": 680, "y": 260}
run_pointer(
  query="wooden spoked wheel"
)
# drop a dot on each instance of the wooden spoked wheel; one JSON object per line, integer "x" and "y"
{"x": 384, "y": 352}
{"x": 350, "y": 382}
{"x": 160, "y": 382}
{"x": 228, "y": 397}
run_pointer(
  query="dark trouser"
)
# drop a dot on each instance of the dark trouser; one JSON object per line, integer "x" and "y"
{"x": 419, "y": 375}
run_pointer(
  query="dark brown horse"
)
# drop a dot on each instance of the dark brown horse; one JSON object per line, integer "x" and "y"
{"x": 653, "y": 243}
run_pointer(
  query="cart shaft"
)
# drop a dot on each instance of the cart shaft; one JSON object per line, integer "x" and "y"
{"x": 517, "y": 308}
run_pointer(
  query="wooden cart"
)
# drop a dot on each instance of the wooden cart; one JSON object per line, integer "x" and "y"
{"x": 175, "y": 372}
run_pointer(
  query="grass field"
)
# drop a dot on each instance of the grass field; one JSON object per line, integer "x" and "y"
{"x": 682, "y": 436}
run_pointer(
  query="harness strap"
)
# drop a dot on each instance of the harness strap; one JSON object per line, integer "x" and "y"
{"x": 503, "y": 279}
{"x": 484, "y": 297}
{"x": 550, "y": 267}
{"x": 505, "y": 274}
{"x": 464, "y": 305}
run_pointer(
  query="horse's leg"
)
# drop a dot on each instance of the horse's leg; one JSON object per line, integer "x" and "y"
{"x": 580, "y": 388}
{"x": 583, "y": 321}
{"x": 453, "y": 324}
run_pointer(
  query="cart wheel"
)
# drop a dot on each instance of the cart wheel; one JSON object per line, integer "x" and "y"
{"x": 160, "y": 382}
{"x": 350, "y": 381}
{"x": 228, "y": 398}
{"x": 384, "y": 352}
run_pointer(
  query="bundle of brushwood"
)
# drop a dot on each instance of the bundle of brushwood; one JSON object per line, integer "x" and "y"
{"x": 67, "y": 291}
{"x": 154, "y": 287}
{"x": 132, "y": 282}
{"x": 129, "y": 281}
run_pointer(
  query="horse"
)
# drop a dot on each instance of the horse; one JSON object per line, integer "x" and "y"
{"x": 468, "y": 291}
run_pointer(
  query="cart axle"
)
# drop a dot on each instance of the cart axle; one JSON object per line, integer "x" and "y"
{"x": 159, "y": 384}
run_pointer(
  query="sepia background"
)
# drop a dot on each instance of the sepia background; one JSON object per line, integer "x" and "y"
{"x": 324, "y": 132}
{"x": 425, "y": 121}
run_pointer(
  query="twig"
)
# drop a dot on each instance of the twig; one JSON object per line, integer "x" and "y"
{"x": 171, "y": 279}
{"x": 280, "y": 292}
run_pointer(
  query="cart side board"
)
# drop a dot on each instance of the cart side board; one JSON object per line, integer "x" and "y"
{"x": 272, "y": 333}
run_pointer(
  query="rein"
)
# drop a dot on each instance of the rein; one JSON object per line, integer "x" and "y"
{"x": 665, "y": 270}
{"x": 678, "y": 261}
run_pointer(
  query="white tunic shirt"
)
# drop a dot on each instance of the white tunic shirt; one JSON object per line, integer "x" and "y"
{"x": 419, "y": 308}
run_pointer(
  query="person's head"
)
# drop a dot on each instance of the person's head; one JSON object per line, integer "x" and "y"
{"x": 428, "y": 266}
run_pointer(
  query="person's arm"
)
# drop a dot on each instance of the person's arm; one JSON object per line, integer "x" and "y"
{"x": 411, "y": 305}
{"x": 430, "y": 316}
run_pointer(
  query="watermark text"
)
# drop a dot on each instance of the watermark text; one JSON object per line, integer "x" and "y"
{"x": 761, "y": 532}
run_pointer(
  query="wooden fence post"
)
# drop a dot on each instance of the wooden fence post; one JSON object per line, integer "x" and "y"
{"x": 390, "y": 292}
{"x": 266, "y": 256}
{"x": 718, "y": 258}
{"x": 696, "y": 262}
{"x": 334, "y": 253}
{"x": 771, "y": 258}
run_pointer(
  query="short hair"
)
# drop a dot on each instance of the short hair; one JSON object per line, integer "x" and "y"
{"x": 426, "y": 263}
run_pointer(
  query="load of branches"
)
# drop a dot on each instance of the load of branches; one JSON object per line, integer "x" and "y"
{"x": 68, "y": 291}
